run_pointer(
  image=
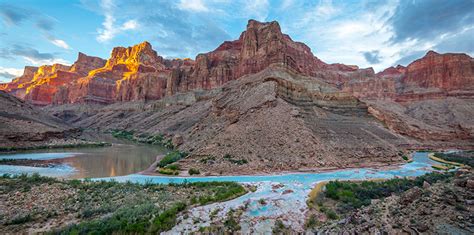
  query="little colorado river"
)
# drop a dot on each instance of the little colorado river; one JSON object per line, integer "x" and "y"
{"x": 285, "y": 194}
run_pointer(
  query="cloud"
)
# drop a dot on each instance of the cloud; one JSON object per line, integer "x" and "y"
{"x": 373, "y": 57}
{"x": 192, "y": 5}
{"x": 7, "y": 74}
{"x": 425, "y": 20}
{"x": 131, "y": 24}
{"x": 12, "y": 16}
{"x": 257, "y": 9}
{"x": 45, "y": 24}
{"x": 110, "y": 29}
{"x": 174, "y": 32}
{"x": 460, "y": 42}
{"x": 31, "y": 55}
{"x": 325, "y": 9}
{"x": 410, "y": 56}
{"x": 60, "y": 43}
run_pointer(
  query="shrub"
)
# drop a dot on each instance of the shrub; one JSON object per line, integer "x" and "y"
{"x": 465, "y": 158}
{"x": 123, "y": 134}
{"x": 167, "y": 171}
{"x": 279, "y": 227}
{"x": 231, "y": 159}
{"x": 171, "y": 157}
{"x": 358, "y": 194}
{"x": 331, "y": 214}
{"x": 20, "y": 220}
{"x": 312, "y": 222}
{"x": 193, "y": 171}
{"x": 166, "y": 220}
{"x": 174, "y": 167}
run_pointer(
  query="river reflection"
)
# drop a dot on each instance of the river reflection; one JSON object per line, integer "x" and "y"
{"x": 116, "y": 160}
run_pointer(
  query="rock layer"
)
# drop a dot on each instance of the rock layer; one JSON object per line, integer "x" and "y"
{"x": 139, "y": 73}
{"x": 429, "y": 102}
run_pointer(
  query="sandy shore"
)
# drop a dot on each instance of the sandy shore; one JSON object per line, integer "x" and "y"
{"x": 378, "y": 166}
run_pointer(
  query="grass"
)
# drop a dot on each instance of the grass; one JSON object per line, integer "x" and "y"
{"x": 109, "y": 207}
{"x": 315, "y": 192}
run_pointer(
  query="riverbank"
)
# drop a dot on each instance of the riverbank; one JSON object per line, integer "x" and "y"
{"x": 152, "y": 170}
{"x": 31, "y": 163}
{"x": 58, "y": 145}
{"x": 33, "y": 204}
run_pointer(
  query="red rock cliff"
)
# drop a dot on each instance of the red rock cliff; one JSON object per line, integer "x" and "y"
{"x": 433, "y": 76}
{"x": 139, "y": 73}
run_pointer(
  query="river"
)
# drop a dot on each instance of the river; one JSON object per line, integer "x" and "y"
{"x": 285, "y": 194}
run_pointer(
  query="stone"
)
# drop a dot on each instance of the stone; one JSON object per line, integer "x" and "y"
{"x": 411, "y": 195}
{"x": 470, "y": 183}
{"x": 294, "y": 113}
{"x": 426, "y": 184}
{"x": 287, "y": 191}
{"x": 177, "y": 140}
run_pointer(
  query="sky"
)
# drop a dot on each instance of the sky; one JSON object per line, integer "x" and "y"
{"x": 366, "y": 33}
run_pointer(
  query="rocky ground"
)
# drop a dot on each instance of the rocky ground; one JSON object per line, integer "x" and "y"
{"x": 38, "y": 204}
{"x": 445, "y": 207}
{"x": 26, "y": 126}
{"x": 263, "y": 123}
{"x": 431, "y": 121}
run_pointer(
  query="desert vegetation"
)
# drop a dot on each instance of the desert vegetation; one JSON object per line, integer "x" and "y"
{"x": 82, "y": 207}
{"x": 464, "y": 158}
{"x": 143, "y": 138}
{"x": 339, "y": 198}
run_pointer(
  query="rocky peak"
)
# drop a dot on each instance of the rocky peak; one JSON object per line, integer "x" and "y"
{"x": 85, "y": 63}
{"x": 392, "y": 71}
{"x": 264, "y": 44}
{"x": 27, "y": 76}
{"x": 133, "y": 56}
{"x": 49, "y": 70}
{"x": 432, "y": 53}
{"x": 29, "y": 71}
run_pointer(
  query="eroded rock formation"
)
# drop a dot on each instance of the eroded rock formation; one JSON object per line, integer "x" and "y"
{"x": 139, "y": 73}
{"x": 265, "y": 86}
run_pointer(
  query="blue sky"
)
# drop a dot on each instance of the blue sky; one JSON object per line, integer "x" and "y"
{"x": 365, "y": 33}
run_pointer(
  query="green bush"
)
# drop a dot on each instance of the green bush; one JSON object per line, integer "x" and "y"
{"x": 166, "y": 220}
{"x": 167, "y": 171}
{"x": 20, "y": 220}
{"x": 358, "y": 194}
{"x": 193, "y": 171}
{"x": 123, "y": 134}
{"x": 466, "y": 158}
{"x": 331, "y": 214}
{"x": 232, "y": 160}
{"x": 174, "y": 167}
{"x": 171, "y": 157}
